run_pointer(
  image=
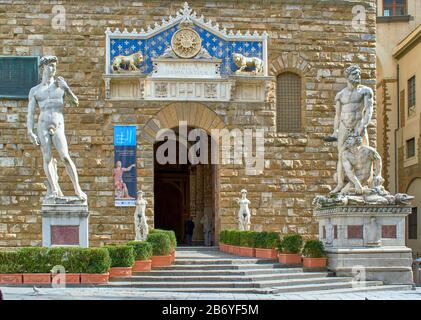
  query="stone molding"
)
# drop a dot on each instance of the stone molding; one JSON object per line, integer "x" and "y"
{"x": 346, "y": 210}
{"x": 195, "y": 114}
{"x": 289, "y": 61}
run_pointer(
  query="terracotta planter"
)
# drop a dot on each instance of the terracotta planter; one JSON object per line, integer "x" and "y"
{"x": 142, "y": 266}
{"x": 37, "y": 278}
{"x": 247, "y": 252}
{"x": 222, "y": 247}
{"x": 70, "y": 278}
{"x": 11, "y": 278}
{"x": 236, "y": 250}
{"x": 120, "y": 272}
{"x": 94, "y": 278}
{"x": 230, "y": 249}
{"x": 161, "y": 261}
{"x": 314, "y": 262}
{"x": 173, "y": 256}
{"x": 266, "y": 253}
{"x": 289, "y": 258}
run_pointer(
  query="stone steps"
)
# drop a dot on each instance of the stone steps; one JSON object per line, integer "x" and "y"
{"x": 210, "y": 261}
{"x": 219, "y": 267}
{"x": 222, "y": 278}
{"x": 228, "y": 284}
{"x": 368, "y": 288}
{"x": 234, "y": 272}
{"x": 206, "y": 270}
{"x": 322, "y": 287}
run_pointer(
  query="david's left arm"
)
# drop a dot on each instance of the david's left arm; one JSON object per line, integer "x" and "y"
{"x": 68, "y": 93}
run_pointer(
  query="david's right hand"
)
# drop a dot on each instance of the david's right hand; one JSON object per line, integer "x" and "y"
{"x": 33, "y": 138}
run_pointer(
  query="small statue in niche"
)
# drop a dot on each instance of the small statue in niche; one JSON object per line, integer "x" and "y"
{"x": 127, "y": 63}
{"x": 140, "y": 220}
{"x": 207, "y": 228}
{"x": 243, "y": 62}
{"x": 244, "y": 212}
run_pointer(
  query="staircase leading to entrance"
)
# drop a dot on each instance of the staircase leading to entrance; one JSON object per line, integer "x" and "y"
{"x": 206, "y": 270}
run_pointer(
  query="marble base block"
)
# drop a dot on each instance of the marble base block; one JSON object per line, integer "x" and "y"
{"x": 65, "y": 222}
{"x": 367, "y": 241}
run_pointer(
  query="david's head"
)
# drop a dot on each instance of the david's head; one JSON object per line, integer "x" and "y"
{"x": 48, "y": 65}
{"x": 353, "y": 74}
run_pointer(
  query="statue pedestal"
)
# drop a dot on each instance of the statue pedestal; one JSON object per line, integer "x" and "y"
{"x": 65, "y": 222}
{"x": 367, "y": 240}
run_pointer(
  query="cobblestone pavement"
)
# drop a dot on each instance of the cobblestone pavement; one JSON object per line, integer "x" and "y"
{"x": 93, "y": 293}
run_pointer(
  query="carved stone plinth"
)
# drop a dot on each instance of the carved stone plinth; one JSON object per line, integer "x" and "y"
{"x": 65, "y": 222}
{"x": 368, "y": 241}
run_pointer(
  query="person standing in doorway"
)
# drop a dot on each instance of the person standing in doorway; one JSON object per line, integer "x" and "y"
{"x": 188, "y": 229}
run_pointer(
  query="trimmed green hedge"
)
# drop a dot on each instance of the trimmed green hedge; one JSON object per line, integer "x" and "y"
{"x": 142, "y": 250}
{"x": 42, "y": 260}
{"x": 121, "y": 255}
{"x": 267, "y": 240}
{"x": 248, "y": 239}
{"x": 161, "y": 243}
{"x": 252, "y": 239}
{"x": 170, "y": 233}
{"x": 9, "y": 262}
{"x": 35, "y": 260}
{"x": 291, "y": 243}
{"x": 314, "y": 249}
{"x": 94, "y": 260}
{"x": 223, "y": 236}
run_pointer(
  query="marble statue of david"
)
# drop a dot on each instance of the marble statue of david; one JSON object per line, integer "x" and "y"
{"x": 49, "y": 95}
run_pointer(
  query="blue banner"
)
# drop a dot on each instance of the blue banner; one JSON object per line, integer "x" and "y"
{"x": 125, "y": 176}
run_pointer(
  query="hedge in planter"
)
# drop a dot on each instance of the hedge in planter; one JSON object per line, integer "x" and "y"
{"x": 171, "y": 234}
{"x": 266, "y": 242}
{"x": 289, "y": 249}
{"x": 10, "y": 268}
{"x": 122, "y": 259}
{"x": 223, "y": 236}
{"x": 95, "y": 264}
{"x": 161, "y": 249}
{"x": 142, "y": 254}
{"x": 314, "y": 254}
{"x": 142, "y": 250}
{"x": 161, "y": 243}
{"x": 247, "y": 243}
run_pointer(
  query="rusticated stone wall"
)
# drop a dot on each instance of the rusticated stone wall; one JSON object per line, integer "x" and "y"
{"x": 314, "y": 38}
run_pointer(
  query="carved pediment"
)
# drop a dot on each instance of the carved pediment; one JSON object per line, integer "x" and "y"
{"x": 185, "y": 57}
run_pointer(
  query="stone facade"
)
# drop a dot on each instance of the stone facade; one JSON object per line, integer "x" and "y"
{"x": 311, "y": 38}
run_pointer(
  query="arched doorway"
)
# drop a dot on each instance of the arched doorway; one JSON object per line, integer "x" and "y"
{"x": 184, "y": 189}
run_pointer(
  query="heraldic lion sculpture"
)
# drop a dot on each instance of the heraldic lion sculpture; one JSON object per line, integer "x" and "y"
{"x": 243, "y": 62}
{"x": 127, "y": 63}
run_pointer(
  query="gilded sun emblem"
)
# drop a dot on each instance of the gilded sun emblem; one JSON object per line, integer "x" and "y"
{"x": 186, "y": 43}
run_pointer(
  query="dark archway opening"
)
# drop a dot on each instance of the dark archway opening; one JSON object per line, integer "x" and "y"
{"x": 182, "y": 190}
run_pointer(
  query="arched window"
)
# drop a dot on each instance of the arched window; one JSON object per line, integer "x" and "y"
{"x": 288, "y": 102}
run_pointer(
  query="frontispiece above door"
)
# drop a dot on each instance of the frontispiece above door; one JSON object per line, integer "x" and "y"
{"x": 186, "y": 58}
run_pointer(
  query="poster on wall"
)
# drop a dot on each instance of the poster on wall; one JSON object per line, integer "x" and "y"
{"x": 125, "y": 166}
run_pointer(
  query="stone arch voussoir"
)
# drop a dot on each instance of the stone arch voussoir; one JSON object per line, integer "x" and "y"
{"x": 195, "y": 114}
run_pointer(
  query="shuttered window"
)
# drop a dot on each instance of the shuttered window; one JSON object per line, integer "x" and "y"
{"x": 17, "y": 76}
{"x": 288, "y": 102}
{"x": 411, "y": 93}
{"x": 410, "y": 148}
{"x": 394, "y": 7}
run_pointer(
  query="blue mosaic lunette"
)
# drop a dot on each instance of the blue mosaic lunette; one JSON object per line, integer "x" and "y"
{"x": 217, "y": 47}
